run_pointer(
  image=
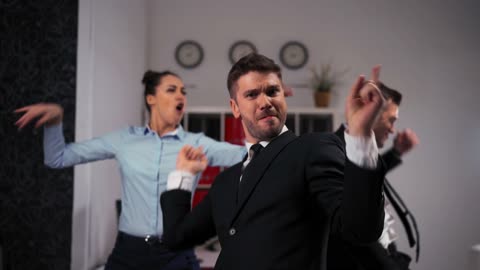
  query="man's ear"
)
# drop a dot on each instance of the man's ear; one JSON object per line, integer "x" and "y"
{"x": 151, "y": 100}
{"x": 234, "y": 107}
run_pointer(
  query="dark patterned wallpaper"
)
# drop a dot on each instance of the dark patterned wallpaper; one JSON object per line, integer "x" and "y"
{"x": 38, "y": 42}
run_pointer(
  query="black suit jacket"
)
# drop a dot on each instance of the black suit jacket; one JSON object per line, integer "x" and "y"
{"x": 293, "y": 194}
{"x": 344, "y": 255}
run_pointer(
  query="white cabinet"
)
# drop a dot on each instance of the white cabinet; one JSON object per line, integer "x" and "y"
{"x": 212, "y": 120}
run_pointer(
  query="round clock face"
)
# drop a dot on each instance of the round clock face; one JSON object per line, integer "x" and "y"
{"x": 293, "y": 55}
{"x": 189, "y": 54}
{"x": 239, "y": 49}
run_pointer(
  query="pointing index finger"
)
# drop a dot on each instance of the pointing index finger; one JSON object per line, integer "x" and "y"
{"x": 376, "y": 73}
{"x": 355, "y": 91}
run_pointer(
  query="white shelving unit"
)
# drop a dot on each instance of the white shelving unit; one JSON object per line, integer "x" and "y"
{"x": 303, "y": 119}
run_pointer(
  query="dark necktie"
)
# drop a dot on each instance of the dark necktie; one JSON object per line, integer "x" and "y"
{"x": 254, "y": 151}
{"x": 403, "y": 213}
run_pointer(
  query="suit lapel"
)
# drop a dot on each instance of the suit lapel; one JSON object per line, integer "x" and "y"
{"x": 230, "y": 187}
{"x": 340, "y": 132}
{"x": 258, "y": 166}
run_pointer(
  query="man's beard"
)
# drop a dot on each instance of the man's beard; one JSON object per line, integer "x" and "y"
{"x": 263, "y": 134}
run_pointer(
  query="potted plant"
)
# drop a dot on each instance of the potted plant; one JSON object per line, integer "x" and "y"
{"x": 323, "y": 83}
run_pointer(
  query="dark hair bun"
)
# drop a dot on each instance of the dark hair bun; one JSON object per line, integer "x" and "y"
{"x": 149, "y": 77}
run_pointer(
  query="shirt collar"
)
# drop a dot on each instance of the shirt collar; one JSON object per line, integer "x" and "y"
{"x": 179, "y": 132}
{"x": 263, "y": 143}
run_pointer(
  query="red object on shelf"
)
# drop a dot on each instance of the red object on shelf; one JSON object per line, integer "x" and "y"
{"x": 233, "y": 134}
{"x": 234, "y": 130}
{"x": 209, "y": 175}
{"x": 206, "y": 179}
{"x": 198, "y": 196}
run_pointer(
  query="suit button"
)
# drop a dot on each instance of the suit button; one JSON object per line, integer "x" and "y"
{"x": 232, "y": 231}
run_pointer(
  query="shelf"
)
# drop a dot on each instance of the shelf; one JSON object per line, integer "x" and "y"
{"x": 211, "y": 120}
{"x": 227, "y": 110}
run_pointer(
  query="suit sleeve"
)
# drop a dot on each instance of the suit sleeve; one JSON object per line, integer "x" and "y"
{"x": 183, "y": 228}
{"x": 350, "y": 196}
{"x": 392, "y": 159}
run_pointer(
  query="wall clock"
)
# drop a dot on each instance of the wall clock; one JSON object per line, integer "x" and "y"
{"x": 293, "y": 55}
{"x": 189, "y": 54}
{"x": 239, "y": 49}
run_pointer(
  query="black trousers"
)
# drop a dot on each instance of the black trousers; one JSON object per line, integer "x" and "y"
{"x": 132, "y": 253}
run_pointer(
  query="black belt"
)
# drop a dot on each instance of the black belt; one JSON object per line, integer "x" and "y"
{"x": 149, "y": 240}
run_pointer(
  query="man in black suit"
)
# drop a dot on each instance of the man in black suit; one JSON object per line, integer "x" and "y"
{"x": 275, "y": 210}
{"x": 382, "y": 254}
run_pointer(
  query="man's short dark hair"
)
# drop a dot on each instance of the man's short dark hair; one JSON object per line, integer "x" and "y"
{"x": 251, "y": 62}
{"x": 390, "y": 94}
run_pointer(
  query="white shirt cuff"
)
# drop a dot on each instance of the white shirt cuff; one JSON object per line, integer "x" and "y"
{"x": 180, "y": 180}
{"x": 362, "y": 151}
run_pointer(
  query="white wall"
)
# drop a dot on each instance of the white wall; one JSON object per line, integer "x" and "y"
{"x": 111, "y": 62}
{"x": 429, "y": 51}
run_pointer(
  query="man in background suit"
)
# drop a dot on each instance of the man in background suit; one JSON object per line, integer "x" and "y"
{"x": 275, "y": 209}
{"x": 381, "y": 255}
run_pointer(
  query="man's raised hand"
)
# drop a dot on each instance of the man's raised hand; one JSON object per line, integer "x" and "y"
{"x": 405, "y": 141}
{"x": 191, "y": 159}
{"x": 364, "y": 104}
